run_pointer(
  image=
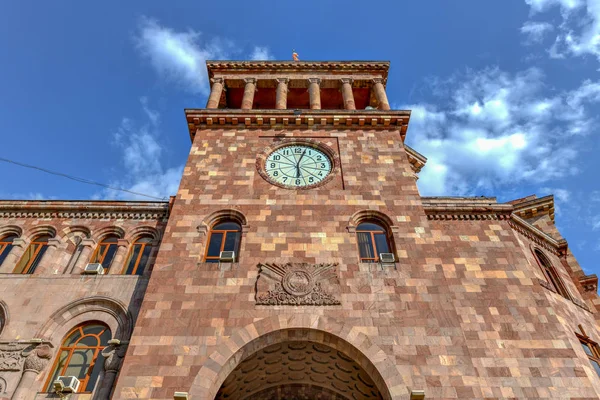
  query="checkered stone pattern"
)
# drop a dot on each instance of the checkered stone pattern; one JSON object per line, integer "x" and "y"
{"x": 56, "y": 297}
{"x": 462, "y": 315}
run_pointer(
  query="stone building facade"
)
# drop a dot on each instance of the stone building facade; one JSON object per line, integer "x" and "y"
{"x": 298, "y": 261}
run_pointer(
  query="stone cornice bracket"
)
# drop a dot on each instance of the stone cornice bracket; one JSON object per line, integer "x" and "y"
{"x": 589, "y": 283}
{"x": 417, "y": 160}
{"x": 113, "y": 354}
{"x": 556, "y": 247}
{"x": 38, "y": 358}
{"x": 534, "y": 207}
{"x": 465, "y": 212}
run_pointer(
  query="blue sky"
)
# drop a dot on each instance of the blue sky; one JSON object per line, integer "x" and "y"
{"x": 505, "y": 95}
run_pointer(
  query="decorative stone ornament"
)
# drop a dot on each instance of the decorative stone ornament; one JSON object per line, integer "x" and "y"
{"x": 297, "y": 284}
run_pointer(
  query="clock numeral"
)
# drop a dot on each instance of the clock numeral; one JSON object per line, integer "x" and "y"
{"x": 277, "y": 157}
{"x": 322, "y": 165}
{"x": 320, "y": 173}
{"x": 285, "y": 178}
{"x": 298, "y": 151}
{"x": 286, "y": 152}
{"x": 275, "y": 173}
{"x": 318, "y": 158}
{"x": 311, "y": 179}
{"x": 298, "y": 181}
{"x": 272, "y": 165}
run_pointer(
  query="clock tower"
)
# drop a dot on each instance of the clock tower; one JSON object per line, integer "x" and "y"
{"x": 300, "y": 262}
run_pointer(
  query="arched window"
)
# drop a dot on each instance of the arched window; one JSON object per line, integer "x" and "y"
{"x": 105, "y": 252}
{"x": 80, "y": 356}
{"x": 139, "y": 256}
{"x": 224, "y": 236}
{"x": 373, "y": 239}
{"x": 33, "y": 255}
{"x": 6, "y": 244}
{"x": 551, "y": 274}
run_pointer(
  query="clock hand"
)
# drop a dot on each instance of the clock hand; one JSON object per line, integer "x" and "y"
{"x": 298, "y": 164}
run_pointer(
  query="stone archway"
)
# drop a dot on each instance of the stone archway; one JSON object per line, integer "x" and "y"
{"x": 298, "y": 369}
{"x": 340, "y": 340}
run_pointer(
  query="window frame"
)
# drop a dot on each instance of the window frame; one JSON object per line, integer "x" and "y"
{"x": 206, "y": 257}
{"x": 385, "y": 231}
{"x": 71, "y": 349}
{"x": 595, "y": 349}
{"x": 550, "y": 273}
{"x": 36, "y": 258}
{"x": 96, "y": 258}
{"x": 4, "y": 245}
{"x": 143, "y": 245}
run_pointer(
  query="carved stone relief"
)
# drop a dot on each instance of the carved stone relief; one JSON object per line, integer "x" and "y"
{"x": 297, "y": 284}
{"x": 3, "y": 386}
{"x": 15, "y": 356}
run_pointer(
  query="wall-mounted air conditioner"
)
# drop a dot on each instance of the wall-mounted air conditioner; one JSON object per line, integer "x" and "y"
{"x": 66, "y": 384}
{"x": 93, "y": 269}
{"x": 227, "y": 256}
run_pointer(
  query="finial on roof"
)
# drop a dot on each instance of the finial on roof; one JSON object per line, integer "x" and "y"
{"x": 295, "y": 55}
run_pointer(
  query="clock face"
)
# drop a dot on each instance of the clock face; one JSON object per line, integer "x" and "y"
{"x": 297, "y": 166}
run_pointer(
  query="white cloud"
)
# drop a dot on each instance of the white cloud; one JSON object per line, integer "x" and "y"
{"x": 579, "y": 32}
{"x": 491, "y": 128}
{"x": 261, "y": 53}
{"x": 536, "y": 31}
{"x": 180, "y": 57}
{"x": 596, "y": 222}
{"x": 142, "y": 159}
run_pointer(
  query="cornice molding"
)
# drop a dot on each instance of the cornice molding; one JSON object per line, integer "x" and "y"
{"x": 532, "y": 208}
{"x": 536, "y": 235}
{"x": 380, "y": 67}
{"x": 465, "y": 209}
{"x": 297, "y": 119}
{"x": 417, "y": 160}
{"x": 589, "y": 283}
{"x": 84, "y": 210}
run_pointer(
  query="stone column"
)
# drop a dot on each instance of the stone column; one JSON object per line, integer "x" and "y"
{"x": 11, "y": 260}
{"x": 347, "y": 94}
{"x": 88, "y": 246}
{"x": 282, "y": 91}
{"x": 35, "y": 362}
{"x": 314, "y": 92}
{"x": 215, "y": 93}
{"x": 118, "y": 266}
{"x": 249, "y": 90}
{"x": 48, "y": 261}
{"x": 113, "y": 354}
{"x": 379, "y": 90}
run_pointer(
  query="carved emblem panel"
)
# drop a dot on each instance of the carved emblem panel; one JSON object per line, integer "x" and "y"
{"x": 297, "y": 284}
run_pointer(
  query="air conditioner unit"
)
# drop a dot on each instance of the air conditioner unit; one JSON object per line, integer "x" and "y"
{"x": 66, "y": 384}
{"x": 94, "y": 269}
{"x": 227, "y": 256}
{"x": 180, "y": 396}
{"x": 387, "y": 257}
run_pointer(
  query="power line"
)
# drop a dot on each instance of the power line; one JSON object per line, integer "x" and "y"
{"x": 82, "y": 180}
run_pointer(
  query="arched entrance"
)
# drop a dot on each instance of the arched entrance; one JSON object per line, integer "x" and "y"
{"x": 332, "y": 333}
{"x": 298, "y": 370}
